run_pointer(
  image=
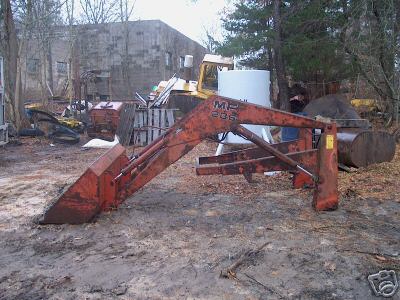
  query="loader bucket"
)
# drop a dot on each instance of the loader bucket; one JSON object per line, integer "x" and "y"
{"x": 92, "y": 193}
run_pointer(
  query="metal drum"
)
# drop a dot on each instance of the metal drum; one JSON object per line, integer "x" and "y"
{"x": 361, "y": 148}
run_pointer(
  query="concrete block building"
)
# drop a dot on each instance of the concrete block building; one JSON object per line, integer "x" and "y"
{"x": 126, "y": 57}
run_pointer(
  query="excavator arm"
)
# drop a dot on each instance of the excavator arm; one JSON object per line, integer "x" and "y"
{"x": 114, "y": 177}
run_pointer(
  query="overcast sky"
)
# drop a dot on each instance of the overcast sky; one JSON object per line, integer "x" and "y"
{"x": 188, "y": 17}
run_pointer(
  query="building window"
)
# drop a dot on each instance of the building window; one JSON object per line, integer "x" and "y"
{"x": 181, "y": 62}
{"x": 62, "y": 67}
{"x": 114, "y": 41}
{"x": 32, "y": 65}
{"x": 168, "y": 59}
{"x": 104, "y": 97}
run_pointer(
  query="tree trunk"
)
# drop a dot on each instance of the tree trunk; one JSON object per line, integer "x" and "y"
{"x": 270, "y": 67}
{"x": 278, "y": 58}
{"x": 49, "y": 59}
{"x": 397, "y": 57}
{"x": 15, "y": 112}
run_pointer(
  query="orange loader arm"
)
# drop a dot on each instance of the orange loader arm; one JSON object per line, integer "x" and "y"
{"x": 114, "y": 177}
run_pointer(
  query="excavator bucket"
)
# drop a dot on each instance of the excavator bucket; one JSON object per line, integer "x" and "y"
{"x": 91, "y": 193}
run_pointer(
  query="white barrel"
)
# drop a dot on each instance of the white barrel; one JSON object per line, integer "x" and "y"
{"x": 245, "y": 85}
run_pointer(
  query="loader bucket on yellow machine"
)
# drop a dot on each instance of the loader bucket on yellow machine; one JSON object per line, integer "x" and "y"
{"x": 92, "y": 193}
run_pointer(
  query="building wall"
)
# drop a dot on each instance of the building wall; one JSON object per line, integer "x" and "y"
{"x": 134, "y": 64}
{"x": 35, "y": 68}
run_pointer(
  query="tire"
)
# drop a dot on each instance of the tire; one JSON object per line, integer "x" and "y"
{"x": 64, "y": 135}
{"x": 31, "y": 132}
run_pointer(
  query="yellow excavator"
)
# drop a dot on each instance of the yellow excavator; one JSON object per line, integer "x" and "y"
{"x": 68, "y": 122}
{"x": 207, "y": 84}
{"x": 203, "y": 88}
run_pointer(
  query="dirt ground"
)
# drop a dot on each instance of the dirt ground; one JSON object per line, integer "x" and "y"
{"x": 172, "y": 239}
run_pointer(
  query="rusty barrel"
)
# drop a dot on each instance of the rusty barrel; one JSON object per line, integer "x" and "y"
{"x": 360, "y": 148}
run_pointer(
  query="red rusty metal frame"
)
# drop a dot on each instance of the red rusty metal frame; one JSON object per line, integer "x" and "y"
{"x": 252, "y": 153}
{"x": 259, "y": 160}
{"x": 114, "y": 177}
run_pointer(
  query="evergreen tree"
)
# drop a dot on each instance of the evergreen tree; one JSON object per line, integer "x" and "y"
{"x": 310, "y": 38}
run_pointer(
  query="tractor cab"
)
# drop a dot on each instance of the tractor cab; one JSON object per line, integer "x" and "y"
{"x": 207, "y": 84}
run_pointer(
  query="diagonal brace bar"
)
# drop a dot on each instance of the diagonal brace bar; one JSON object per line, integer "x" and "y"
{"x": 258, "y": 165}
{"x": 239, "y": 129}
{"x": 253, "y": 153}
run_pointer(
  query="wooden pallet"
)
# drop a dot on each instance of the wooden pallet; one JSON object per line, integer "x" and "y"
{"x": 126, "y": 123}
{"x": 150, "y": 124}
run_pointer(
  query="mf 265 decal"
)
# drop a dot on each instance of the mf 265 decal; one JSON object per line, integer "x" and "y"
{"x": 225, "y": 110}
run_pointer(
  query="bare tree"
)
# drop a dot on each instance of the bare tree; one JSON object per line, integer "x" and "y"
{"x": 42, "y": 18}
{"x": 100, "y": 11}
{"x": 73, "y": 81}
{"x": 11, "y": 50}
{"x": 209, "y": 39}
{"x": 126, "y": 10}
{"x": 371, "y": 36}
